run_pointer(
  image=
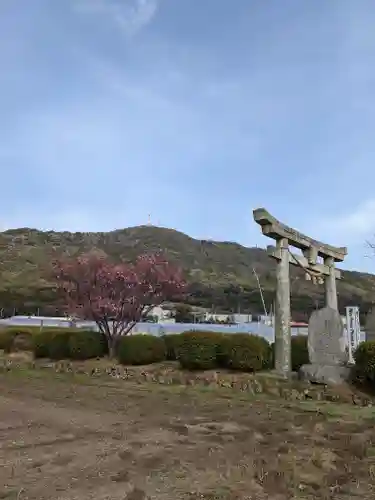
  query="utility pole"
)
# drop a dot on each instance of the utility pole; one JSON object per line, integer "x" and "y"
{"x": 261, "y": 292}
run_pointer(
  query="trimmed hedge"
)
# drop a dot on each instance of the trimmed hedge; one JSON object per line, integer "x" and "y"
{"x": 141, "y": 350}
{"x": 54, "y": 342}
{"x": 58, "y": 345}
{"x": 68, "y": 343}
{"x": 14, "y": 329}
{"x": 172, "y": 344}
{"x": 6, "y": 340}
{"x": 17, "y": 338}
{"x": 14, "y": 338}
{"x": 85, "y": 344}
{"x": 41, "y": 342}
{"x": 3, "y": 339}
{"x": 195, "y": 350}
{"x": 364, "y": 356}
{"x": 273, "y": 352}
{"x": 300, "y": 352}
{"x": 245, "y": 352}
{"x": 200, "y": 350}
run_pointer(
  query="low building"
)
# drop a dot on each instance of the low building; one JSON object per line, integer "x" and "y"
{"x": 217, "y": 317}
{"x": 169, "y": 321}
{"x": 299, "y": 327}
{"x": 162, "y": 315}
{"x": 241, "y": 318}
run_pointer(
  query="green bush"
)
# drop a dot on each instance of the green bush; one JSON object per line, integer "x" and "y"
{"x": 21, "y": 342}
{"x": 299, "y": 351}
{"x": 16, "y": 339}
{"x": 58, "y": 344}
{"x": 272, "y": 355}
{"x": 104, "y": 343}
{"x": 140, "y": 350}
{"x": 245, "y": 352}
{"x": 41, "y": 343}
{"x": 15, "y": 330}
{"x": 69, "y": 343}
{"x": 6, "y": 339}
{"x": 200, "y": 350}
{"x": 86, "y": 344}
{"x": 23, "y": 338}
{"x": 364, "y": 356}
{"x": 3, "y": 338}
{"x": 172, "y": 345}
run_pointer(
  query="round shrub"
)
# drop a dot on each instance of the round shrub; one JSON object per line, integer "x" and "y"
{"x": 140, "y": 350}
{"x": 52, "y": 343}
{"x": 86, "y": 344}
{"x": 272, "y": 355}
{"x": 172, "y": 345}
{"x": 104, "y": 343}
{"x": 22, "y": 342}
{"x": 6, "y": 339}
{"x": 3, "y": 339}
{"x": 200, "y": 350}
{"x": 364, "y": 356}
{"x": 245, "y": 352}
{"x": 58, "y": 346}
{"x": 24, "y": 330}
{"x": 40, "y": 344}
{"x": 299, "y": 352}
{"x": 16, "y": 339}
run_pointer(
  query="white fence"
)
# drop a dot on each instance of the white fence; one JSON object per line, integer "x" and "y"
{"x": 159, "y": 329}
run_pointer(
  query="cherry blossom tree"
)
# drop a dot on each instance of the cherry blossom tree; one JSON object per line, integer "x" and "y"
{"x": 116, "y": 296}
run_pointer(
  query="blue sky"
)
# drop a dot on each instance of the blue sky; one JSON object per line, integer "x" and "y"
{"x": 193, "y": 111}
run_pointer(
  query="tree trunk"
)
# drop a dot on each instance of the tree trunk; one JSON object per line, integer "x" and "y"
{"x": 112, "y": 344}
{"x": 111, "y": 351}
{"x": 110, "y": 337}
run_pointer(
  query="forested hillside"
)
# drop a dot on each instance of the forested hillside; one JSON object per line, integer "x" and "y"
{"x": 220, "y": 273}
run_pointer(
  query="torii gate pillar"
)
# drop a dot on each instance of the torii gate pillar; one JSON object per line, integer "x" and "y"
{"x": 282, "y": 309}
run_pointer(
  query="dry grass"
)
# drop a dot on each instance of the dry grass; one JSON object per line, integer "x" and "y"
{"x": 75, "y": 437}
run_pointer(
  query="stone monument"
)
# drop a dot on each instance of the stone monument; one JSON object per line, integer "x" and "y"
{"x": 318, "y": 271}
{"x": 327, "y": 346}
{"x": 370, "y": 325}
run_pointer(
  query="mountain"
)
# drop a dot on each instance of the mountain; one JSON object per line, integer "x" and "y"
{"x": 221, "y": 273}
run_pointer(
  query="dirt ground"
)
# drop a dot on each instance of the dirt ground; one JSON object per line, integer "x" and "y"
{"x": 74, "y": 437}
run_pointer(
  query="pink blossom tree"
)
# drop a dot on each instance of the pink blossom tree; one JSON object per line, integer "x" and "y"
{"x": 116, "y": 296}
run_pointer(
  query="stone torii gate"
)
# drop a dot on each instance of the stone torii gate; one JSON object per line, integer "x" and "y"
{"x": 323, "y": 270}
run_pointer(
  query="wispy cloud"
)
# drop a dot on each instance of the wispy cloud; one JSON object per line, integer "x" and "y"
{"x": 350, "y": 227}
{"x": 131, "y": 16}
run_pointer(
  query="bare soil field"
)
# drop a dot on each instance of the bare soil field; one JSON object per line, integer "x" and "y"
{"x": 74, "y": 437}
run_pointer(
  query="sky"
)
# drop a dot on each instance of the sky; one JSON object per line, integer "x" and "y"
{"x": 192, "y": 112}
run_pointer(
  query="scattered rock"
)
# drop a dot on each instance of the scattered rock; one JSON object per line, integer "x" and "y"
{"x": 251, "y": 384}
{"x": 126, "y": 455}
{"x": 121, "y": 477}
{"x": 136, "y": 494}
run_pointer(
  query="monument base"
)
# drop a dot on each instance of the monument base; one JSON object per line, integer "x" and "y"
{"x": 325, "y": 374}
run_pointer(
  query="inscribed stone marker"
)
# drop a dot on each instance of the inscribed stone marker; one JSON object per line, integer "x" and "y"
{"x": 326, "y": 338}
